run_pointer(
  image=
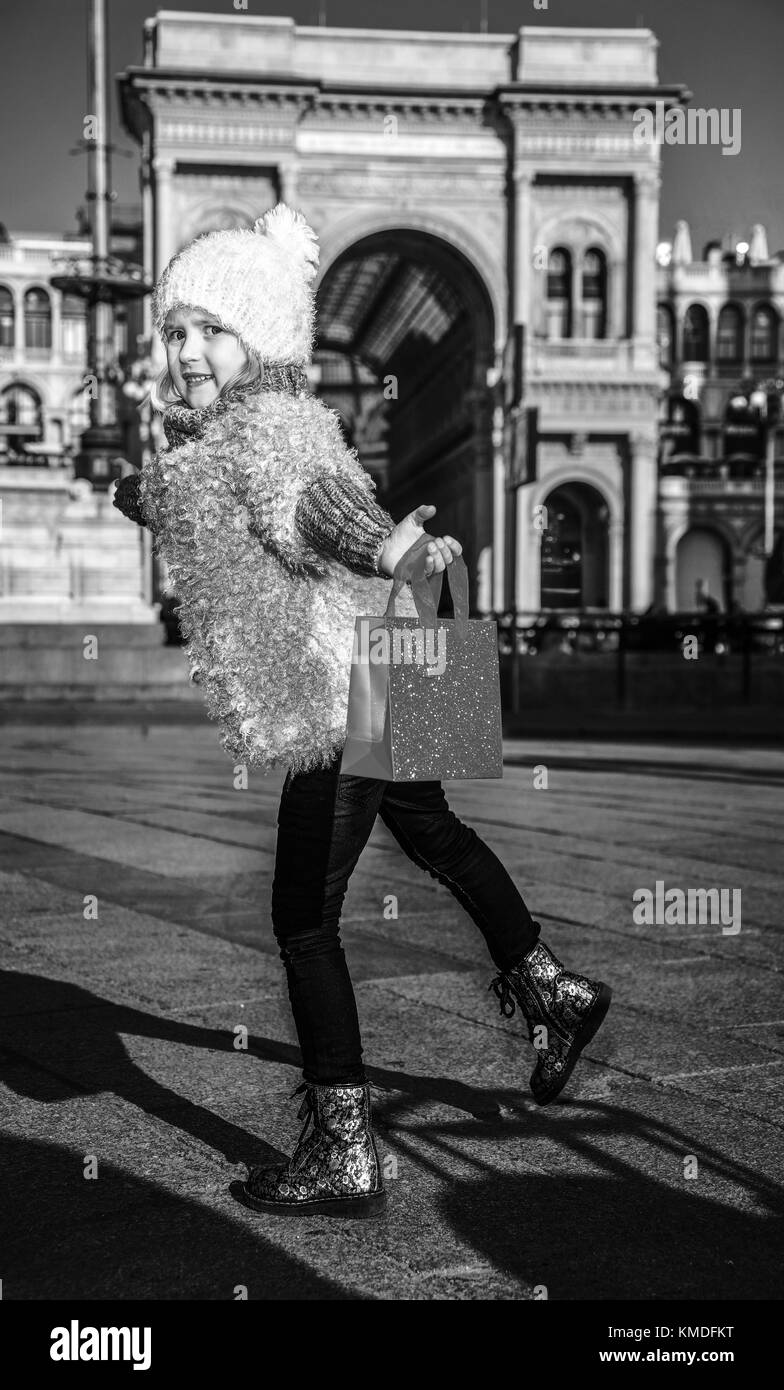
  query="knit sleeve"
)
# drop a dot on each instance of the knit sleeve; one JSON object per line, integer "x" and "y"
{"x": 136, "y": 499}
{"x": 339, "y": 516}
{"x": 126, "y": 499}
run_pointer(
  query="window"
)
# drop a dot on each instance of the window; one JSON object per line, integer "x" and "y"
{"x": 20, "y": 406}
{"x": 729, "y": 341}
{"x": 74, "y": 326}
{"x": 38, "y": 319}
{"x": 695, "y": 334}
{"x": 594, "y": 294}
{"x": 665, "y": 335}
{"x": 764, "y": 334}
{"x": 20, "y": 421}
{"x": 7, "y": 317}
{"x": 79, "y": 414}
{"x": 559, "y": 294}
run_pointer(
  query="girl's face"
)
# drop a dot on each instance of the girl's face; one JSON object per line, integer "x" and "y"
{"x": 201, "y": 355}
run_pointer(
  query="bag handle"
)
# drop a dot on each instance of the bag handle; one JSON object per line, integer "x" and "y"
{"x": 426, "y": 589}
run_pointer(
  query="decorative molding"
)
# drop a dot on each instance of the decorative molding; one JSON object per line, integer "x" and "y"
{"x": 594, "y": 398}
{"x": 212, "y": 131}
{"x": 394, "y": 184}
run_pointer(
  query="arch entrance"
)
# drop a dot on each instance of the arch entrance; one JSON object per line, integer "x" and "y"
{"x": 405, "y": 342}
{"x": 575, "y": 548}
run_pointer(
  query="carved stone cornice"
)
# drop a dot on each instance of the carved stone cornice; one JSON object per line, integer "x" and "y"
{"x": 323, "y": 102}
{"x": 415, "y": 110}
{"x": 520, "y": 104}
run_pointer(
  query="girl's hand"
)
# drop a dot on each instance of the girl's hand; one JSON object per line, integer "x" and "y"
{"x": 441, "y": 549}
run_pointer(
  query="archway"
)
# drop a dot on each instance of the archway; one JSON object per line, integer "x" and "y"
{"x": 21, "y": 421}
{"x": 405, "y": 340}
{"x": 702, "y": 570}
{"x": 575, "y": 551}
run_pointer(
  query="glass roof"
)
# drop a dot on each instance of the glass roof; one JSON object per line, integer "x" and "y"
{"x": 375, "y": 306}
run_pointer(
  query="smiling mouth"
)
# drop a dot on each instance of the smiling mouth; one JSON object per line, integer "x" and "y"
{"x": 194, "y": 380}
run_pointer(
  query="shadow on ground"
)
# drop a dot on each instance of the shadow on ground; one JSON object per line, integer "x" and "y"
{"x": 118, "y": 1237}
{"x": 614, "y": 1233}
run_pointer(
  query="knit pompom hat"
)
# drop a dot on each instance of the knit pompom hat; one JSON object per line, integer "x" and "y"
{"x": 258, "y": 283}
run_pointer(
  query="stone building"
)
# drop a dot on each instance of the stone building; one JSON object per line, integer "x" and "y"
{"x": 488, "y": 222}
{"x": 43, "y": 351}
{"x": 66, "y": 556}
{"x": 720, "y": 334}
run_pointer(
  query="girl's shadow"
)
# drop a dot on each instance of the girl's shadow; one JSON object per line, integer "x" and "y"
{"x": 59, "y": 1041}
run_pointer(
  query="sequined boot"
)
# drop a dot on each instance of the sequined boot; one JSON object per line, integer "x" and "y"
{"x": 568, "y": 1008}
{"x": 334, "y": 1169}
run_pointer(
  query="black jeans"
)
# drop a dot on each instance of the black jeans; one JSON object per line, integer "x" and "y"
{"x": 324, "y": 823}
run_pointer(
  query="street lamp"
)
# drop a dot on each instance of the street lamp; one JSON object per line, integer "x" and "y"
{"x": 101, "y": 279}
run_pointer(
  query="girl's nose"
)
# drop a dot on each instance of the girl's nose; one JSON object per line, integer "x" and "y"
{"x": 190, "y": 350}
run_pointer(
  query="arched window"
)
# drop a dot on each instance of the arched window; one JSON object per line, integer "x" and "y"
{"x": 38, "y": 319}
{"x": 559, "y": 293}
{"x": 695, "y": 334}
{"x": 729, "y": 340}
{"x": 20, "y": 419}
{"x": 594, "y": 294}
{"x": 74, "y": 326}
{"x": 7, "y": 317}
{"x": 666, "y": 337}
{"x": 764, "y": 334}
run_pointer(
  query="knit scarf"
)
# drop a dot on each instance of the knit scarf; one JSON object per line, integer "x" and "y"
{"x": 184, "y": 422}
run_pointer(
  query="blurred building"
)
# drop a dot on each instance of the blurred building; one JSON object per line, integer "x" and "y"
{"x": 66, "y": 556}
{"x": 488, "y": 221}
{"x": 43, "y": 352}
{"x": 720, "y": 337}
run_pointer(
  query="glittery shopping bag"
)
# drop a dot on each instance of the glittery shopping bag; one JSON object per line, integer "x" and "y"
{"x": 424, "y": 699}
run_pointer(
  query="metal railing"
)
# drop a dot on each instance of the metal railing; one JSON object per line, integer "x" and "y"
{"x": 737, "y": 642}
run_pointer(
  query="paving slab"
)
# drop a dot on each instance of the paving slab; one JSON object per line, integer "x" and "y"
{"x": 128, "y": 1102}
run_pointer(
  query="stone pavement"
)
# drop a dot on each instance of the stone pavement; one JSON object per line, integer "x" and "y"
{"x": 126, "y": 1109}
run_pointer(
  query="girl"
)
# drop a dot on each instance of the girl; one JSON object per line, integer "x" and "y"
{"x": 274, "y": 542}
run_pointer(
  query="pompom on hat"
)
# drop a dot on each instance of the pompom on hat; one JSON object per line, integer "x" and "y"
{"x": 258, "y": 283}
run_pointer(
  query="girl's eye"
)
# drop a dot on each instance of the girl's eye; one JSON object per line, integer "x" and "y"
{"x": 214, "y": 328}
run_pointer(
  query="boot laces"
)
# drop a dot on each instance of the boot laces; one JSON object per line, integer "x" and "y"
{"x": 306, "y": 1111}
{"x": 502, "y": 988}
{"x": 508, "y": 1000}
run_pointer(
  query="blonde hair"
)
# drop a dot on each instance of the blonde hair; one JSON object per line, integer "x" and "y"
{"x": 163, "y": 392}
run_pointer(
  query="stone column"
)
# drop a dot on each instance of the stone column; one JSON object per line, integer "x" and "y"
{"x": 644, "y": 501}
{"x": 615, "y": 595}
{"x": 165, "y": 243}
{"x": 646, "y": 231}
{"x": 288, "y": 182}
{"x": 165, "y": 232}
{"x": 528, "y": 586}
{"x": 522, "y": 246}
{"x": 499, "y": 511}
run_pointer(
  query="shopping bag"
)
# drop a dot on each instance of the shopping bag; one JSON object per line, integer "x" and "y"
{"x": 424, "y": 697}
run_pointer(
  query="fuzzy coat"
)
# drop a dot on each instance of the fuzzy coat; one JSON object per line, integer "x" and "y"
{"x": 267, "y": 619}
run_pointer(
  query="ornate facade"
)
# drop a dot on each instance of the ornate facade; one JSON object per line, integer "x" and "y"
{"x": 488, "y": 225}
{"x": 720, "y": 334}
